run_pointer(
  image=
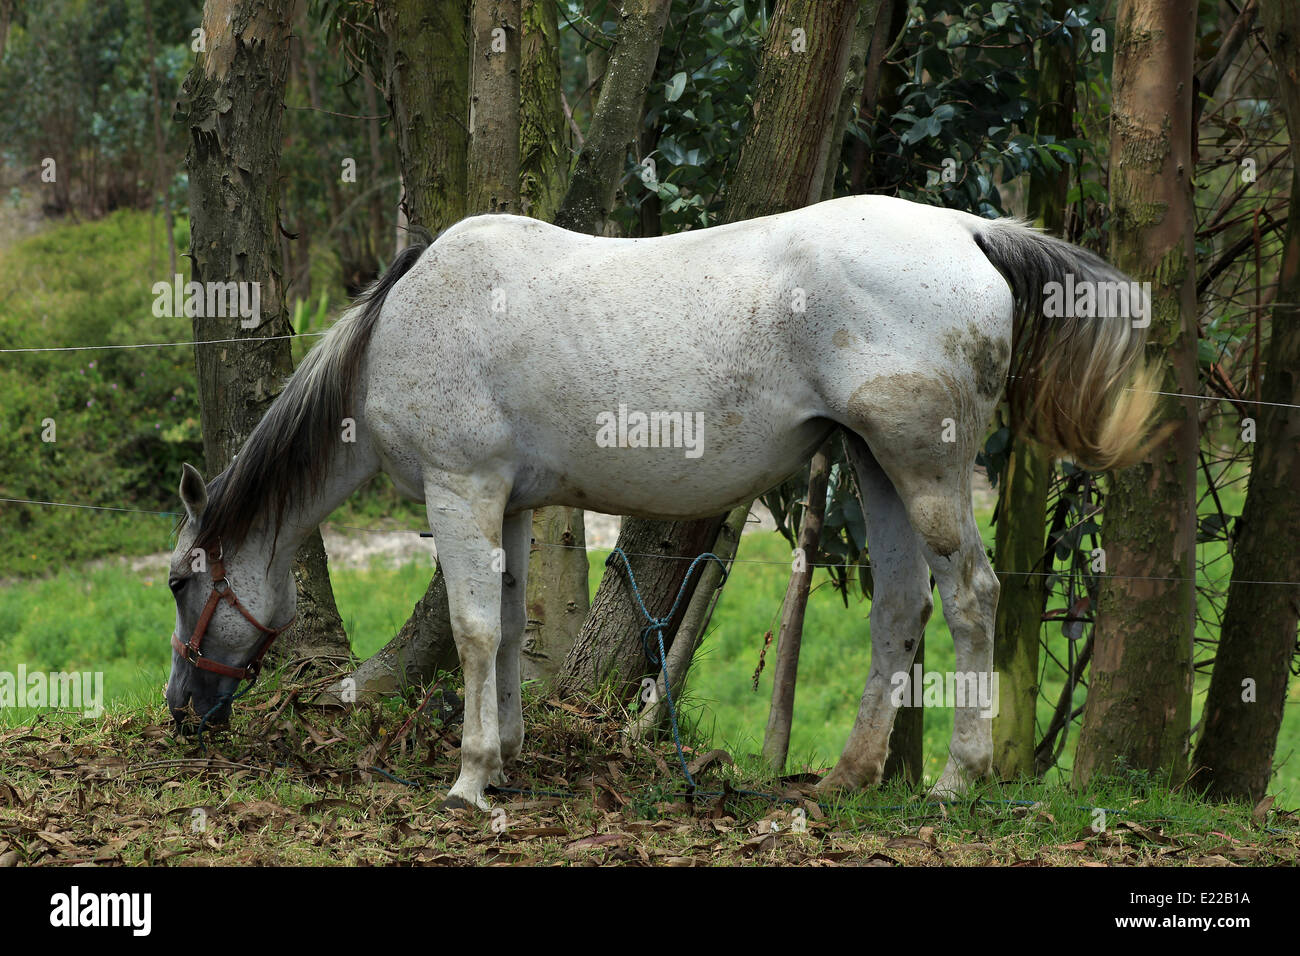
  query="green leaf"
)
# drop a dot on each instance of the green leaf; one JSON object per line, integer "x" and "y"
{"x": 675, "y": 88}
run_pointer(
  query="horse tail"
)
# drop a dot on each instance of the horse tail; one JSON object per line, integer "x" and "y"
{"x": 1078, "y": 383}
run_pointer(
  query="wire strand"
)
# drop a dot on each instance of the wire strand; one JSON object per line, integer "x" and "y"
{"x": 642, "y": 554}
{"x": 163, "y": 345}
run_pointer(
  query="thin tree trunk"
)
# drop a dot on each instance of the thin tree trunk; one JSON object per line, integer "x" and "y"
{"x": 378, "y": 233}
{"x": 1138, "y": 710}
{"x": 494, "y": 106}
{"x": 1248, "y": 689}
{"x": 231, "y": 106}
{"x": 781, "y": 166}
{"x": 161, "y": 182}
{"x": 1020, "y": 543}
{"x": 780, "y": 716}
{"x": 426, "y": 83}
{"x": 851, "y": 93}
{"x": 617, "y": 118}
{"x": 597, "y": 60}
{"x": 558, "y": 597}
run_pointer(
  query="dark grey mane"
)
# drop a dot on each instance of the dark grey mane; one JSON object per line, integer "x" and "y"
{"x": 289, "y": 452}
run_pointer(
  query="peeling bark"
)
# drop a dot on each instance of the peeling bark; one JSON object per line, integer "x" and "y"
{"x": 1020, "y": 546}
{"x": 231, "y": 106}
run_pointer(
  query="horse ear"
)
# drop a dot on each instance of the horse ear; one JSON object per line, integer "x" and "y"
{"x": 194, "y": 493}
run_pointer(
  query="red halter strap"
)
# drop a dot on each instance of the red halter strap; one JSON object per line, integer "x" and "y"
{"x": 191, "y": 651}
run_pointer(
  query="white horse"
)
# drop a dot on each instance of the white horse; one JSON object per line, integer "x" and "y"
{"x": 478, "y": 371}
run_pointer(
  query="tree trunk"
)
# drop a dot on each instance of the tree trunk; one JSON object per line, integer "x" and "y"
{"x": 494, "y": 106}
{"x": 1020, "y": 545}
{"x": 543, "y": 131}
{"x": 231, "y": 106}
{"x": 851, "y": 93}
{"x": 780, "y": 716}
{"x": 161, "y": 180}
{"x": 1139, "y": 696}
{"x": 616, "y": 119}
{"x": 1248, "y": 690}
{"x": 609, "y": 647}
{"x": 786, "y": 148}
{"x": 558, "y": 596}
{"x": 426, "y": 83}
{"x": 782, "y": 164}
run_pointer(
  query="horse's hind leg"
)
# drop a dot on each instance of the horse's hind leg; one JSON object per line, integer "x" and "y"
{"x": 466, "y": 526}
{"x": 900, "y": 607}
{"x": 938, "y": 503}
{"x": 517, "y": 540}
{"x": 969, "y": 590}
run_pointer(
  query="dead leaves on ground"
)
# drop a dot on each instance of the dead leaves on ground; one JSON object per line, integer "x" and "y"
{"x": 296, "y": 785}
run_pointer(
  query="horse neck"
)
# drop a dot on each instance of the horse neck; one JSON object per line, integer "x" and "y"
{"x": 353, "y": 465}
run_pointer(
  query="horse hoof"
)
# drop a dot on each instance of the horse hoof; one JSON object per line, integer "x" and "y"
{"x": 453, "y": 802}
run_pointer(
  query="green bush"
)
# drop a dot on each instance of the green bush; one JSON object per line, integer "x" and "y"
{"x": 123, "y": 420}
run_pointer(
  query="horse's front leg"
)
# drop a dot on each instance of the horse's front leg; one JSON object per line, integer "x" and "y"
{"x": 469, "y": 551}
{"x": 517, "y": 534}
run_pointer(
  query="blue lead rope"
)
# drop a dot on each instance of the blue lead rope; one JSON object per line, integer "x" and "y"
{"x": 655, "y": 626}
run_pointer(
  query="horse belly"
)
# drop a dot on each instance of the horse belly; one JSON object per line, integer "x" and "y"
{"x": 674, "y": 482}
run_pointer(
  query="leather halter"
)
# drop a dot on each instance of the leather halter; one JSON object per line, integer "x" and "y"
{"x": 194, "y": 655}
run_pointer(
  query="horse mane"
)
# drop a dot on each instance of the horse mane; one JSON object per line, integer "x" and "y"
{"x": 289, "y": 452}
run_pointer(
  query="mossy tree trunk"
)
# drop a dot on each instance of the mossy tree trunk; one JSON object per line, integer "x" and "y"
{"x": 1020, "y": 545}
{"x": 495, "y": 39}
{"x": 1248, "y": 689}
{"x": 1138, "y": 710}
{"x": 557, "y": 594}
{"x": 426, "y": 83}
{"x": 231, "y": 105}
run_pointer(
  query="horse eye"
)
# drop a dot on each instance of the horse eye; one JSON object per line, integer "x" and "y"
{"x": 178, "y": 584}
